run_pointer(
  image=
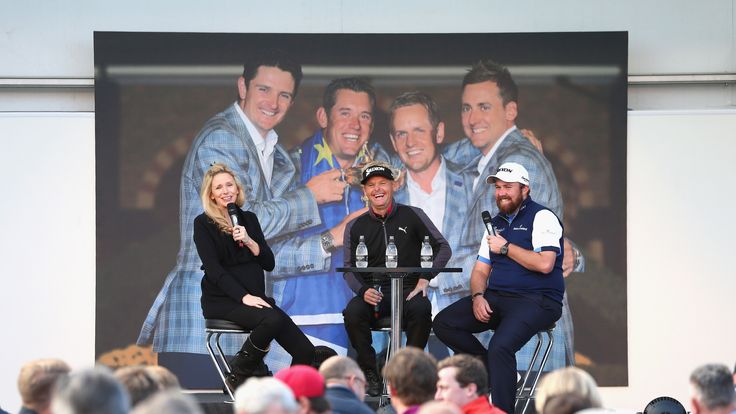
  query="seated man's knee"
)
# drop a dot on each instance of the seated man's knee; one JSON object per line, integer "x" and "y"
{"x": 441, "y": 323}
{"x": 354, "y": 312}
{"x": 501, "y": 345}
{"x": 418, "y": 307}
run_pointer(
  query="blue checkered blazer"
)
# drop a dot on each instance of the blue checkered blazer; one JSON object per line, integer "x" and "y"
{"x": 458, "y": 188}
{"x": 515, "y": 148}
{"x": 174, "y": 322}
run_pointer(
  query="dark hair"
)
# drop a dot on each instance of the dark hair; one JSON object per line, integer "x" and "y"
{"x": 273, "y": 58}
{"x": 416, "y": 98}
{"x": 354, "y": 84}
{"x": 488, "y": 70}
{"x": 470, "y": 370}
{"x": 412, "y": 374}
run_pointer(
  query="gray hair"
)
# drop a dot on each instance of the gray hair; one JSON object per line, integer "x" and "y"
{"x": 257, "y": 395}
{"x": 168, "y": 402}
{"x": 92, "y": 391}
{"x": 338, "y": 367}
{"x": 713, "y": 386}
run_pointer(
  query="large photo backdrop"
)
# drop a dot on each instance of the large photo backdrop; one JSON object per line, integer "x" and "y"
{"x": 155, "y": 91}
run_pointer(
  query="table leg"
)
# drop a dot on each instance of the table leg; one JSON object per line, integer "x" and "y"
{"x": 397, "y": 304}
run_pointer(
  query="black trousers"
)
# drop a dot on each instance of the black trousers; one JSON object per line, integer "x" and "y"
{"x": 515, "y": 319}
{"x": 268, "y": 324}
{"x": 359, "y": 316}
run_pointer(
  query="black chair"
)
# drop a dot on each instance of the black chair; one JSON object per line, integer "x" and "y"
{"x": 217, "y": 328}
{"x": 522, "y": 394}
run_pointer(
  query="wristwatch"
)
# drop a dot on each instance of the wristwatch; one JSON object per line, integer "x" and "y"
{"x": 476, "y": 294}
{"x": 505, "y": 249}
{"x": 328, "y": 242}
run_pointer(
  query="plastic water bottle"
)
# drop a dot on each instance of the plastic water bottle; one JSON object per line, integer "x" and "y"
{"x": 361, "y": 253}
{"x": 392, "y": 253}
{"x": 426, "y": 253}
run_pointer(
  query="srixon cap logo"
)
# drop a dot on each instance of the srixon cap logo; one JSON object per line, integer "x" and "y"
{"x": 504, "y": 169}
{"x": 370, "y": 170}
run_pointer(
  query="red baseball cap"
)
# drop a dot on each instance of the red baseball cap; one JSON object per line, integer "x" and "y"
{"x": 306, "y": 381}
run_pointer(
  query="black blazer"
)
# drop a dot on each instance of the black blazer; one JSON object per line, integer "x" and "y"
{"x": 230, "y": 271}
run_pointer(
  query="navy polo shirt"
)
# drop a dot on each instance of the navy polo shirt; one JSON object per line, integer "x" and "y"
{"x": 534, "y": 227}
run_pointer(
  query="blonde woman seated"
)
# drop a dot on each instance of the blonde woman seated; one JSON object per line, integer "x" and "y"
{"x": 233, "y": 287}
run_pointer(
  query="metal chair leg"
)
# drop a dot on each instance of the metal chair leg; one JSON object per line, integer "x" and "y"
{"x": 384, "y": 393}
{"x": 526, "y": 397}
{"x": 547, "y": 351}
{"x": 218, "y": 367}
{"x": 520, "y": 391}
{"x": 222, "y": 354}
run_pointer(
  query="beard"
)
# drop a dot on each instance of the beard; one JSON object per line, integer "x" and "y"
{"x": 508, "y": 205}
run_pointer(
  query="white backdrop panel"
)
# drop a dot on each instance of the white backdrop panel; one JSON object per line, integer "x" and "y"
{"x": 681, "y": 282}
{"x": 50, "y": 38}
{"x": 47, "y": 243}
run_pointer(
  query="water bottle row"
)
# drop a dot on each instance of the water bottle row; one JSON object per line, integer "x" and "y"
{"x": 392, "y": 253}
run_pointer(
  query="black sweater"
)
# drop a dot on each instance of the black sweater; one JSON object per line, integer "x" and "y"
{"x": 230, "y": 271}
{"x": 408, "y": 225}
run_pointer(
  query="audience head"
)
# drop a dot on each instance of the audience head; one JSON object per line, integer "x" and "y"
{"x": 439, "y": 407}
{"x": 92, "y": 391}
{"x": 344, "y": 371}
{"x": 712, "y": 389}
{"x": 168, "y": 402}
{"x": 36, "y": 382}
{"x": 412, "y": 376}
{"x": 565, "y": 403}
{"x": 163, "y": 377}
{"x": 265, "y": 396}
{"x": 138, "y": 382}
{"x": 461, "y": 379}
{"x": 568, "y": 380}
{"x": 308, "y": 387}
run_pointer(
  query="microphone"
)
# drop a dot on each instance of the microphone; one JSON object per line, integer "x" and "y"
{"x": 232, "y": 210}
{"x": 375, "y": 308}
{"x": 487, "y": 221}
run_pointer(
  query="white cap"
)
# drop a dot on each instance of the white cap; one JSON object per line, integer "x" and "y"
{"x": 510, "y": 172}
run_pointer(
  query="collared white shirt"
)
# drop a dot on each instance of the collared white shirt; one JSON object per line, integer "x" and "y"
{"x": 264, "y": 145}
{"x": 432, "y": 203}
{"x": 484, "y": 160}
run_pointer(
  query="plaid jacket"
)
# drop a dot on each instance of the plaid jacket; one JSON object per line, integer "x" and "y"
{"x": 451, "y": 286}
{"x": 174, "y": 322}
{"x": 544, "y": 189}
